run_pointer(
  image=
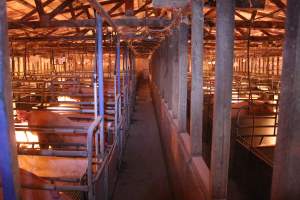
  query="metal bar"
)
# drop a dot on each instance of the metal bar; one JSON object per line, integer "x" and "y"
{"x": 56, "y": 187}
{"x": 9, "y": 170}
{"x": 99, "y": 61}
{"x": 56, "y": 153}
{"x": 98, "y": 121}
{"x": 99, "y": 26}
{"x": 95, "y": 95}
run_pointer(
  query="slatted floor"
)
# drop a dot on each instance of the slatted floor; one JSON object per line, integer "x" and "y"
{"x": 144, "y": 175}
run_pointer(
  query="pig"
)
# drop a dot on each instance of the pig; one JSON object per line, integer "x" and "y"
{"x": 30, "y": 194}
{"x": 49, "y": 119}
{"x": 257, "y": 108}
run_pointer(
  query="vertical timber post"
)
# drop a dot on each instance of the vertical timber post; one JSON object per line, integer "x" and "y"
{"x": 118, "y": 63}
{"x": 25, "y": 61}
{"x": 9, "y": 169}
{"x": 183, "y": 68}
{"x": 286, "y": 176}
{"x": 222, "y": 100}
{"x": 169, "y": 72}
{"x": 175, "y": 71}
{"x": 197, "y": 77}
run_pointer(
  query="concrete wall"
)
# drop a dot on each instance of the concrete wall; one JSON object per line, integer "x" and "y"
{"x": 142, "y": 67}
{"x": 189, "y": 176}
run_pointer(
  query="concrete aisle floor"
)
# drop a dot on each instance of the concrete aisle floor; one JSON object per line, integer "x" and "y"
{"x": 144, "y": 174}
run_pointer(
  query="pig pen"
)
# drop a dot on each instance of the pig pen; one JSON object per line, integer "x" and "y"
{"x": 254, "y": 129}
{"x": 75, "y": 169}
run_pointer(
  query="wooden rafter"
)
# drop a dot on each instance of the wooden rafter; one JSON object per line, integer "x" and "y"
{"x": 142, "y": 8}
{"x": 279, "y": 4}
{"x": 88, "y": 23}
{"x": 59, "y": 8}
{"x": 116, "y": 7}
{"x": 129, "y": 7}
{"x": 33, "y": 11}
{"x": 25, "y": 3}
{"x": 40, "y": 8}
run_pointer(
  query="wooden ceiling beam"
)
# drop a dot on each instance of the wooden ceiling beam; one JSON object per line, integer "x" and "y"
{"x": 265, "y": 32}
{"x": 116, "y": 7}
{"x": 82, "y": 7}
{"x": 80, "y": 13}
{"x": 33, "y": 11}
{"x": 260, "y": 24}
{"x": 142, "y": 8}
{"x": 59, "y": 8}
{"x": 25, "y": 3}
{"x": 91, "y": 37}
{"x": 101, "y": 11}
{"x": 73, "y": 15}
{"x": 132, "y": 22}
{"x": 279, "y": 4}
{"x": 255, "y": 24}
{"x": 129, "y": 7}
{"x": 40, "y": 9}
{"x": 153, "y": 22}
{"x": 241, "y": 16}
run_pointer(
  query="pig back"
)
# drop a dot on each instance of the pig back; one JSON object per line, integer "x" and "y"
{"x": 48, "y": 118}
{"x": 28, "y": 178}
{"x": 51, "y": 119}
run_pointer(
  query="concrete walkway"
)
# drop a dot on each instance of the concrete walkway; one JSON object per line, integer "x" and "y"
{"x": 144, "y": 175}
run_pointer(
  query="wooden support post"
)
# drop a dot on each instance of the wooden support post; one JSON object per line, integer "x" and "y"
{"x": 261, "y": 69}
{"x": 197, "y": 77}
{"x": 82, "y": 63}
{"x": 175, "y": 71}
{"x": 286, "y": 176}
{"x": 12, "y": 59}
{"x": 25, "y": 61}
{"x": 278, "y": 65}
{"x": 264, "y": 65}
{"x": 240, "y": 64}
{"x": 161, "y": 71}
{"x": 268, "y": 66}
{"x": 9, "y": 169}
{"x": 183, "y": 68}
{"x": 19, "y": 67}
{"x": 272, "y": 63}
{"x": 243, "y": 65}
{"x": 168, "y": 82}
{"x": 250, "y": 64}
{"x": 222, "y": 99}
{"x": 259, "y": 65}
{"x": 254, "y": 65}
{"x": 129, "y": 7}
{"x": 170, "y": 72}
{"x": 52, "y": 61}
{"x": 164, "y": 68}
